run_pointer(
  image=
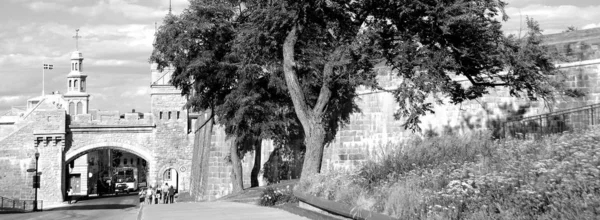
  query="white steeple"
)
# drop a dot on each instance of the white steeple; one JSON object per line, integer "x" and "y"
{"x": 76, "y": 96}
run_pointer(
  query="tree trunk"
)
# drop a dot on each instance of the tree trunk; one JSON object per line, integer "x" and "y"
{"x": 236, "y": 168}
{"x": 315, "y": 143}
{"x": 311, "y": 119}
{"x": 257, "y": 162}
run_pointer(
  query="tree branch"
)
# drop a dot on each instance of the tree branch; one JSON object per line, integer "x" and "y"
{"x": 484, "y": 83}
{"x": 325, "y": 93}
{"x": 291, "y": 78}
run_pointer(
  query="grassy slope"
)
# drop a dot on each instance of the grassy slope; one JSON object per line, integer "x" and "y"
{"x": 472, "y": 177}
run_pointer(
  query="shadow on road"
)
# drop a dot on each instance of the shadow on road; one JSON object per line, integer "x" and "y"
{"x": 92, "y": 207}
{"x": 106, "y": 196}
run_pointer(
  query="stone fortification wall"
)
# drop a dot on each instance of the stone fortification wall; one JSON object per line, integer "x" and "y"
{"x": 111, "y": 118}
{"x": 17, "y": 155}
{"x": 369, "y": 131}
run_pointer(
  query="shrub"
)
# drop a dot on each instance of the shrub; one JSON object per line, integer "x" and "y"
{"x": 272, "y": 196}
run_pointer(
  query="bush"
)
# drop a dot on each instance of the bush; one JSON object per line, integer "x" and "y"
{"x": 272, "y": 196}
{"x": 472, "y": 177}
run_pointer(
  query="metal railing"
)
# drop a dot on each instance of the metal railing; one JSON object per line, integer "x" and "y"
{"x": 575, "y": 119}
{"x": 7, "y": 204}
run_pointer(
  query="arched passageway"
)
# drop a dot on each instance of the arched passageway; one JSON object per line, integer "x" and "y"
{"x": 107, "y": 168}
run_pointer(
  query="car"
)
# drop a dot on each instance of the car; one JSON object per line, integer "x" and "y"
{"x": 121, "y": 188}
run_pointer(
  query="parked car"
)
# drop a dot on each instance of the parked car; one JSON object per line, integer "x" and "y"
{"x": 121, "y": 188}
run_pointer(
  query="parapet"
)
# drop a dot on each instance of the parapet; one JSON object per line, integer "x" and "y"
{"x": 112, "y": 118}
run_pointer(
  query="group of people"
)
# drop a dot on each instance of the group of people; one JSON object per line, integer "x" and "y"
{"x": 158, "y": 195}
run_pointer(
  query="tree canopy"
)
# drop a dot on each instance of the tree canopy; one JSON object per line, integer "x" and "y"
{"x": 323, "y": 50}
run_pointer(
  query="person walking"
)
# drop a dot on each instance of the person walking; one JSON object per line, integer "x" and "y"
{"x": 171, "y": 194}
{"x": 149, "y": 196}
{"x": 165, "y": 192}
{"x": 69, "y": 193}
{"x": 157, "y": 195}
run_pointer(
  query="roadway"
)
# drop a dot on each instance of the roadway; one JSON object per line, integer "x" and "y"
{"x": 109, "y": 208}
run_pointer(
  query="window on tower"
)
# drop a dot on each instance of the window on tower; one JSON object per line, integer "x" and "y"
{"x": 70, "y": 84}
{"x": 169, "y": 116}
{"x": 79, "y": 108}
{"x": 160, "y": 115}
{"x": 177, "y": 114}
{"x": 80, "y": 67}
{"x": 76, "y": 85}
{"x": 72, "y": 108}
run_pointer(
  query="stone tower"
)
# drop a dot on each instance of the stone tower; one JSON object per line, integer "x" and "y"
{"x": 77, "y": 99}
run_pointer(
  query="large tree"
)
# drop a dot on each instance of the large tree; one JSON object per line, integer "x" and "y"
{"x": 251, "y": 104}
{"x": 327, "y": 48}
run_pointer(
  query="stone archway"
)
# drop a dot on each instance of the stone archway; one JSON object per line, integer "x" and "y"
{"x": 174, "y": 178}
{"x": 141, "y": 152}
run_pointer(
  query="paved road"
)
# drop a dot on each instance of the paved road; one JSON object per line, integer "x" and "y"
{"x": 109, "y": 208}
{"x": 214, "y": 211}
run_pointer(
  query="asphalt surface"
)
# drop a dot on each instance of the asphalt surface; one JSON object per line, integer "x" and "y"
{"x": 110, "y": 207}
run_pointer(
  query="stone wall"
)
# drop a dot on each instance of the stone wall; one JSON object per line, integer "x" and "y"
{"x": 369, "y": 132}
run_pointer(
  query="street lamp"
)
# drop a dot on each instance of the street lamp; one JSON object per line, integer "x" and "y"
{"x": 36, "y": 185}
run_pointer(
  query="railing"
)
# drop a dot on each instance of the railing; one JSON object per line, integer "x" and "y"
{"x": 555, "y": 122}
{"x": 7, "y": 204}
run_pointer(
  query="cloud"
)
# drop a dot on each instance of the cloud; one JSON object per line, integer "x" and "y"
{"x": 552, "y": 18}
{"x": 127, "y": 9}
{"x": 590, "y": 26}
{"x": 44, "y": 6}
{"x": 113, "y": 62}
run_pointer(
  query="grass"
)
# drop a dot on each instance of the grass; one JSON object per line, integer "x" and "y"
{"x": 473, "y": 177}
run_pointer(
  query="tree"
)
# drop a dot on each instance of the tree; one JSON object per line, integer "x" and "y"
{"x": 250, "y": 105}
{"x": 327, "y": 48}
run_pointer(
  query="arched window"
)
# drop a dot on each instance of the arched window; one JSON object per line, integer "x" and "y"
{"x": 76, "y": 85}
{"x": 76, "y": 66}
{"x": 160, "y": 115}
{"x": 70, "y": 84}
{"x": 72, "y": 108}
{"x": 80, "y": 67}
{"x": 82, "y": 85}
{"x": 177, "y": 114}
{"x": 79, "y": 108}
{"x": 169, "y": 116}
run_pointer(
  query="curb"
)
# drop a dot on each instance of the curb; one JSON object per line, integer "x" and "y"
{"x": 339, "y": 208}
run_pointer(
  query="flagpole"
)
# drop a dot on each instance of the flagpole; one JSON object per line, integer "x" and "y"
{"x": 43, "y": 78}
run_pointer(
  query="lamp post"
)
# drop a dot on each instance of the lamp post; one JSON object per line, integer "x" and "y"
{"x": 36, "y": 185}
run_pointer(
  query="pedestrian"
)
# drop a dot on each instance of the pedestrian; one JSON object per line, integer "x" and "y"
{"x": 157, "y": 195}
{"x": 149, "y": 196}
{"x": 69, "y": 193}
{"x": 171, "y": 194}
{"x": 165, "y": 191}
{"x": 142, "y": 195}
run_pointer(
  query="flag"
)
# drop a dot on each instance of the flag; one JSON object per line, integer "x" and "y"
{"x": 48, "y": 66}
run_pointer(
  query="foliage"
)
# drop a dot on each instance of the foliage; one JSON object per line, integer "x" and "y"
{"x": 552, "y": 178}
{"x": 284, "y": 163}
{"x": 199, "y": 46}
{"x": 274, "y": 196}
{"x": 325, "y": 50}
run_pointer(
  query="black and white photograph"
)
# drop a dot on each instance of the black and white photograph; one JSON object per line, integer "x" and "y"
{"x": 299, "y": 109}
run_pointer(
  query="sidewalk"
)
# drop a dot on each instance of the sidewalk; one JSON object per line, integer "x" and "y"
{"x": 213, "y": 210}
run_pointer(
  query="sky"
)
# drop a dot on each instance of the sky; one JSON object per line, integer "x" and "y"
{"x": 116, "y": 41}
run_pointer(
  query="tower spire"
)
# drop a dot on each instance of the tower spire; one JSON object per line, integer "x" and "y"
{"x": 169, "y": 7}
